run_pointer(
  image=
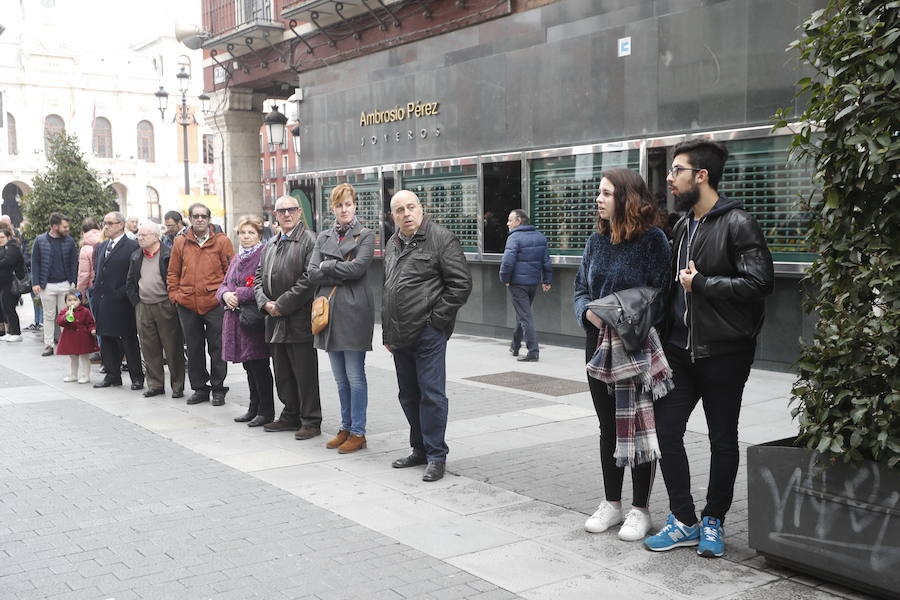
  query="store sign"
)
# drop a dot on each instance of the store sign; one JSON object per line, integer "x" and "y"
{"x": 411, "y": 110}
{"x": 397, "y": 137}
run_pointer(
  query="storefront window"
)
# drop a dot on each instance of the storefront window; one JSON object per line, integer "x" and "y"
{"x": 502, "y": 186}
{"x": 564, "y": 195}
{"x": 368, "y": 199}
{"x": 450, "y": 197}
{"x": 760, "y": 175}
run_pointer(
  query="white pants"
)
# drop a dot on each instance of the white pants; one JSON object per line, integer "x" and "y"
{"x": 85, "y": 361}
{"x": 53, "y": 298}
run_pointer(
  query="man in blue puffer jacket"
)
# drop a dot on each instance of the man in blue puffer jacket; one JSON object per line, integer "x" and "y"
{"x": 525, "y": 266}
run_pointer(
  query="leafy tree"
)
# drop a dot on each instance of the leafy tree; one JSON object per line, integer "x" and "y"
{"x": 847, "y": 394}
{"x": 68, "y": 186}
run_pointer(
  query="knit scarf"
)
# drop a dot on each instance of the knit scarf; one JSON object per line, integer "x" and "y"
{"x": 343, "y": 229}
{"x": 635, "y": 381}
{"x": 245, "y": 252}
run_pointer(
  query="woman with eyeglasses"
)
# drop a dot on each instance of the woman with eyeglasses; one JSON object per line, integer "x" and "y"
{"x": 625, "y": 251}
{"x": 338, "y": 265}
{"x": 243, "y": 327}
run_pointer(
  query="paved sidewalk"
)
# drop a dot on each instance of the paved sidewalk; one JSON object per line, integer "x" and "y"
{"x": 105, "y": 494}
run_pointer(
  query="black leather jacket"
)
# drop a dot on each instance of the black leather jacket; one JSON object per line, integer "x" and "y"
{"x": 427, "y": 281}
{"x": 735, "y": 274}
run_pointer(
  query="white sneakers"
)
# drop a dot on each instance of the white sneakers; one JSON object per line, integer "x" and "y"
{"x": 636, "y": 524}
{"x": 70, "y": 378}
{"x": 12, "y": 338}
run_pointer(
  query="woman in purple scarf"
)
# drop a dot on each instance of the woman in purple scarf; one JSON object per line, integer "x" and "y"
{"x": 242, "y": 342}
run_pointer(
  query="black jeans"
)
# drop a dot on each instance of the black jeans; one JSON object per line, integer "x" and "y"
{"x": 262, "y": 397}
{"x": 197, "y": 329}
{"x": 8, "y": 302}
{"x": 296, "y": 367}
{"x": 605, "y": 406}
{"x": 719, "y": 381}
{"x": 522, "y": 299}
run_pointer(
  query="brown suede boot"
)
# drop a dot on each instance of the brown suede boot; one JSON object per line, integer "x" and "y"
{"x": 337, "y": 440}
{"x": 353, "y": 443}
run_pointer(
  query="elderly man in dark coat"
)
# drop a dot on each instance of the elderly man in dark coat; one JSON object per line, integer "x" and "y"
{"x": 113, "y": 312}
{"x": 285, "y": 293}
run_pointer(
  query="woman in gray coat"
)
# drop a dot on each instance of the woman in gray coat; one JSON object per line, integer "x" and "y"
{"x": 339, "y": 262}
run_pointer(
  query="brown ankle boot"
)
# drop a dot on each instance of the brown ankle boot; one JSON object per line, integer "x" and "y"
{"x": 337, "y": 440}
{"x": 353, "y": 443}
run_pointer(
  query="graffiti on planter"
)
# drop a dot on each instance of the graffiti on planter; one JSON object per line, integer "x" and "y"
{"x": 861, "y": 502}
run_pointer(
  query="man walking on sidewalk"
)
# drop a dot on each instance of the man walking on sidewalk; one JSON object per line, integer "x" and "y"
{"x": 426, "y": 282}
{"x": 721, "y": 273}
{"x": 157, "y": 319}
{"x": 285, "y": 294}
{"x": 54, "y": 271}
{"x": 525, "y": 266}
{"x": 197, "y": 267}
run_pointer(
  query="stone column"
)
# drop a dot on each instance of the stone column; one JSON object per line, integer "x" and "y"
{"x": 237, "y": 118}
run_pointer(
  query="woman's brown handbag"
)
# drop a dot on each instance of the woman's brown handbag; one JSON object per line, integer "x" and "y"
{"x": 320, "y": 312}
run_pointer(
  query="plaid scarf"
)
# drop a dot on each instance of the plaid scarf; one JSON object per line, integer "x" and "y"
{"x": 635, "y": 381}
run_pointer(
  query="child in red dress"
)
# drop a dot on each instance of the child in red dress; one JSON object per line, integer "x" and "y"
{"x": 77, "y": 337}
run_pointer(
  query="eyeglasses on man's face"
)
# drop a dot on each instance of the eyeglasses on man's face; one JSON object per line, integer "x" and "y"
{"x": 111, "y": 222}
{"x": 676, "y": 170}
{"x": 287, "y": 211}
{"x": 199, "y": 217}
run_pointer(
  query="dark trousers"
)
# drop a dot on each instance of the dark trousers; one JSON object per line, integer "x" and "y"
{"x": 297, "y": 380}
{"x": 160, "y": 333}
{"x": 259, "y": 377}
{"x": 8, "y": 302}
{"x": 422, "y": 379}
{"x": 605, "y": 406}
{"x": 202, "y": 333}
{"x": 111, "y": 351}
{"x": 719, "y": 381}
{"x": 522, "y": 299}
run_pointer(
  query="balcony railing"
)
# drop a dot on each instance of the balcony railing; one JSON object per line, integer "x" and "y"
{"x": 224, "y": 16}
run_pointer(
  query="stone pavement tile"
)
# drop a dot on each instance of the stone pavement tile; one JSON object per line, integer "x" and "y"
{"x": 523, "y": 565}
{"x": 464, "y": 496}
{"x": 452, "y": 536}
{"x": 562, "y": 412}
{"x": 599, "y": 584}
{"x": 263, "y": 459}
{"x": 838, "y": 591}
{"x": 782, "y": 590}
{"x": 532, "y": 519}
{"x": 605, "y": 549}
{"x": 490, "y": 424}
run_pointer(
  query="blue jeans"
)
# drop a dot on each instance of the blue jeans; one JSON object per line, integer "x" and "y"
{"x": 422, "y": 379}
{"x": 522, "y": 299}
{"x": 38, "y": 310}
{"x": 349, "y": 368}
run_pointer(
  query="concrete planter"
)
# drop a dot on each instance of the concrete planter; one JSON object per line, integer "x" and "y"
{"x": 838, "y": 523}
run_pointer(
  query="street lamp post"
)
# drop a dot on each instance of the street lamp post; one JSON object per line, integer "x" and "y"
{"x": 182, "y": 117}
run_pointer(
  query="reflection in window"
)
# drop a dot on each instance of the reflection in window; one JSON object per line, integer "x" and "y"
{"x": 102, "y": 138}
{"x": 145, "y": 143}
{"x": 53, "y": 127}
{"x": 450, "y": 196}
{"x": 502, "y": 185}
{"x": 12, "y": 145}
{"x": 564, "y": 194}
{"x": 760, "y": 174}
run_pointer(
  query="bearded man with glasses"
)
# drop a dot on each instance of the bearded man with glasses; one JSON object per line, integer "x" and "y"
{"x": 197, "y": 267}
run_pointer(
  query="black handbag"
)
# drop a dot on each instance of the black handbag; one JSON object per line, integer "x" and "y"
{"x": 251, "y": 318}
{"x": 631, "y": 313}
{"x": 21, "y": 285}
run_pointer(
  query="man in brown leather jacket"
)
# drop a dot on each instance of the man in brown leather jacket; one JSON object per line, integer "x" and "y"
{"x": 197, "y": 267}
{"x": 285, "y": 294}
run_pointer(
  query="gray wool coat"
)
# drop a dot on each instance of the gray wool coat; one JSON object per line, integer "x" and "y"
{"x": 352, "y": 308}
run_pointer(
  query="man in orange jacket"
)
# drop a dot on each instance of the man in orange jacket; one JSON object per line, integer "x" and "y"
{"x": 197, "y": 268}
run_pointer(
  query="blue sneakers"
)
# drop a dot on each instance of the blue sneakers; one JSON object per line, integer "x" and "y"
{"x": 712, "y": 538}
{"x": 674, "y": 534}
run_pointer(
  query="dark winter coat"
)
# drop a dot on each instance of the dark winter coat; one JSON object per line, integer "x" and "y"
{"x": 11, "y": 263}
{"x": 282, "y": 278}
{"x": 41, "y": 255}
{"x": 132, "y": 284}
{"x": 109, "y": 297}
{"x": 526, "y": 259}
{"x": 734, "y": 275}
{"x": 351, "y": 319}
{"x": 76, "y": 337}
{"x": 425, "y": 281}
{"x": 240, "y": 344}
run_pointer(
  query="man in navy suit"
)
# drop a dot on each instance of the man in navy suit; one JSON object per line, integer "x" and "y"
{"x": 112, "y": 309}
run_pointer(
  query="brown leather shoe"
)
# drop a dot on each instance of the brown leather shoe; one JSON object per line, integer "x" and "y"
{"x": 307, "y": 432}
{"x": 337, "y": 440}
{"x": 279, "y": 425}
{"x": 353, "y": 443}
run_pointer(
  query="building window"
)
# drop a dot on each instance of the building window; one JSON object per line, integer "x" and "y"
{"x": 145, "y": 143}
{"x": 154, "y": 211}
{"x": 284, "y": 165}
{"x": 272, "y": 167}
{"x": 262, "y": 174}
{"x": 207, "y": 149}
{"x": 502, "y": 191}
{"x": 102, "y": 138}
{"x": 205, "y": 186}
{"x": 262, "y": 147}
{"x": 12, "y": 144}
{"x": 53, "y": 126}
